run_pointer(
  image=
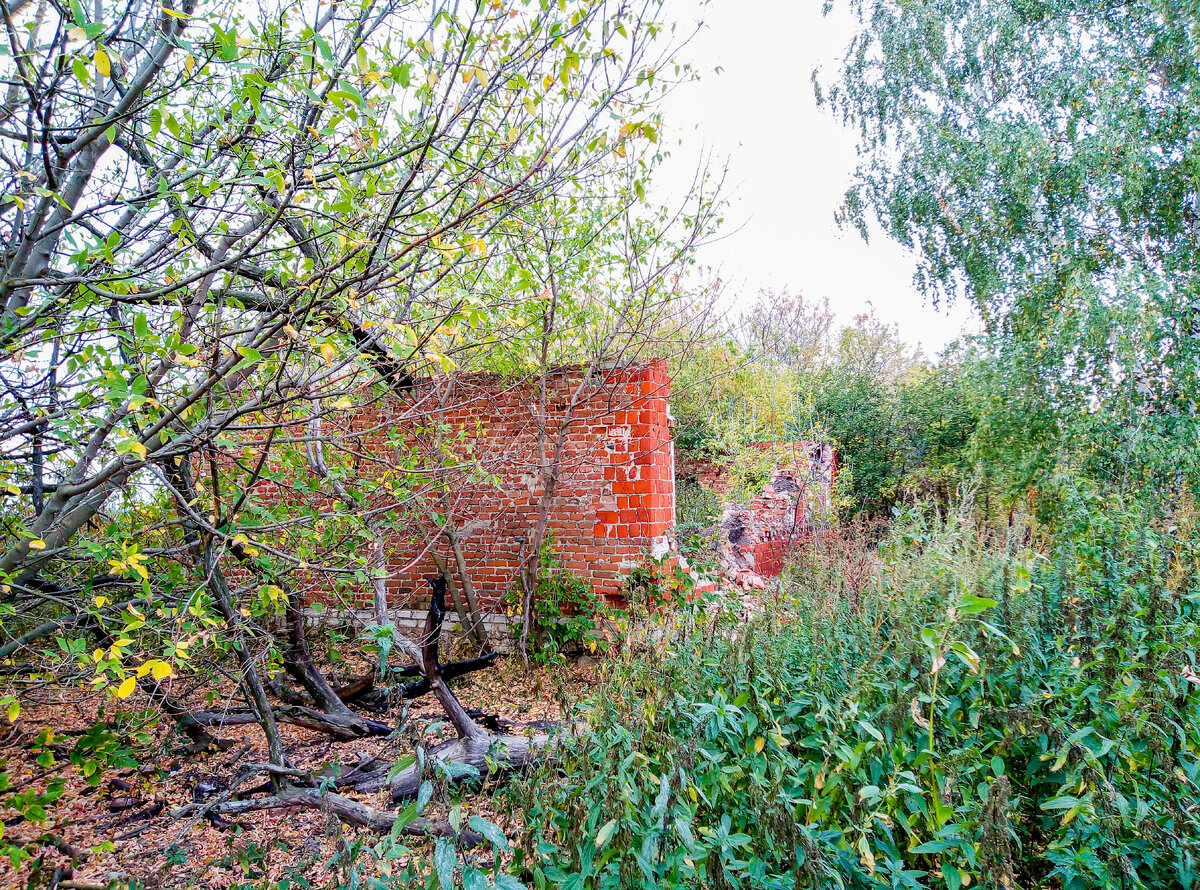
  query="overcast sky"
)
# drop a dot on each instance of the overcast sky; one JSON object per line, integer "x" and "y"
{"x": 789, "y": 164}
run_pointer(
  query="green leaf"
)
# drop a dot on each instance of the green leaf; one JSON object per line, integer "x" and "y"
{"x": 938, "y": 845}
{"x": 604, "y": 835}
{"x": 973, "y": 605}
{"x": 404, "y": 818}
{"x": 444, "y": 860}
{"x": 489, "y": 830}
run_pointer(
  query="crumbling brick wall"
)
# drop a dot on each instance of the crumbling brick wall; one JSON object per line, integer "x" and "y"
{"x": 753, "y": 539}
{"x": 615, "y": 492}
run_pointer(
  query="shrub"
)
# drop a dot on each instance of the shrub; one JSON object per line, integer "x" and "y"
{"x": 567, "y": 611}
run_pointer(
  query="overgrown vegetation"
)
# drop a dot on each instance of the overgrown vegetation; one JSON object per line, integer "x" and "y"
{"x": 568, "y": 613}
{"x": 981, "y": 712}
{"x": 226, "y": 229}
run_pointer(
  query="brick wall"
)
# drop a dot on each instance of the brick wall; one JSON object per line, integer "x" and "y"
{"x": 754, "y": 538}
{"x": 474, "y": 437}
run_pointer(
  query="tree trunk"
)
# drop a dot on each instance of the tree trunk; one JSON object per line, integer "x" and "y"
{"x": 463, "y": 724}
{"x": 476, "y": 627}
{"x": 215, "y": 579}
{"x": 298, "y": 661}
{"x": 178, "y": 472}
{"x": 445, "y": 573}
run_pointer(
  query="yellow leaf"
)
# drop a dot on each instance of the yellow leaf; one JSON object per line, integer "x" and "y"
{"x": 37, "y": 544}
{"x": 14, "y": 711}
{"x": 189, "y": 62}
{"x": 143, "y": 669}
{"x": 759, "y": 744}
{"x": 102, "y": 63}
{"x": 865, "y": 854}
{"x": 161, "y": 670}
{"x": 126, "y": 688}
{"x": 481, "y": 76}
{"x": 343, "y": 402}
{"x": 512, "y": 134}
{"x": 327, "y": 353}
{"x": 174, "y": 13}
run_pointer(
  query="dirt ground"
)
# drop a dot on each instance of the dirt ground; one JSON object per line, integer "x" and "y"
{"x": 124, "y": 828}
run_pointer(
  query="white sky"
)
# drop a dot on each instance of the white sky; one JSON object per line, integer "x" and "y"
{"x": 789, "y": 164}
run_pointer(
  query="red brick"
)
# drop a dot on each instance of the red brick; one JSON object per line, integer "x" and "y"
{"x": 493, "y": 413}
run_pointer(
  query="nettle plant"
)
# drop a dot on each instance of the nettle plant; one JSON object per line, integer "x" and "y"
{"x": 978, "y": 716}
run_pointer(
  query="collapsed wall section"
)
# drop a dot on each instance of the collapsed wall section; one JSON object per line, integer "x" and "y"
{"x": 752, "y": 539}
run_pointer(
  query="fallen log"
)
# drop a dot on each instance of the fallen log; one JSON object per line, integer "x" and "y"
{"x": 357, "y": 687}
{"x": 454, "y": 668}
{"x": 343, "y": 807}
{"x": 492, "y": 755}
{"x": 339, "y": 726}
{"x": 448, "y": 672}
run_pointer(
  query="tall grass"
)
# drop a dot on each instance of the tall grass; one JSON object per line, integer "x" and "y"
{"x": 968, "y": 711}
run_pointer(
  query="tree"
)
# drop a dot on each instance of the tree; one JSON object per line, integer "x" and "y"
{"x": 787, "y": 328}
{"x": 1038, "y": 158}
{"x": 224, "y": 226}
{"x": 856, "y": 399}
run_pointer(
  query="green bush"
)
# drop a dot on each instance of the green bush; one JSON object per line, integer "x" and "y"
{"x": 980, "y": 716}
{"x": 696, "y": 508}
{"x": 567, "y": 611}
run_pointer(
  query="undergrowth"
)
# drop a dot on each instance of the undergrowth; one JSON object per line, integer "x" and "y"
{"x": 976, "y": 713}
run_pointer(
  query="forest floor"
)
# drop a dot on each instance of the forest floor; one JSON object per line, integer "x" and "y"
{"x": 123, "y": 825}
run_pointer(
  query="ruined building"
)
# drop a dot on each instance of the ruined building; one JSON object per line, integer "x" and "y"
{"x": 475, "y": 437}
